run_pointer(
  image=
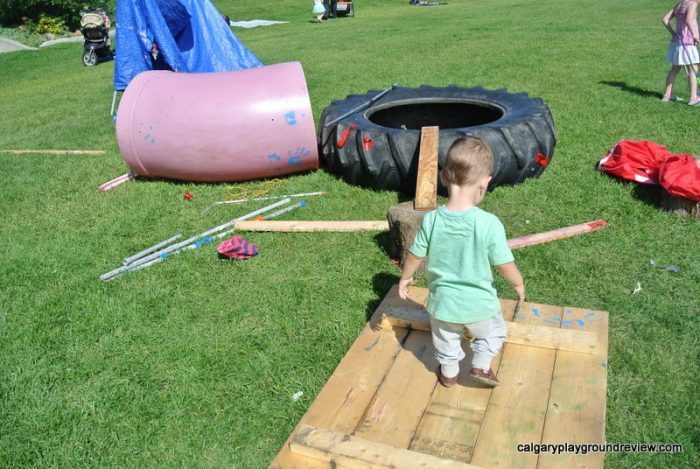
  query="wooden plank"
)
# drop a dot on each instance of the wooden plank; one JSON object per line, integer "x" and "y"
{"x": 396, "y": 409}
{"x": 307, "y": 226}
{"x": 577, "y": 402}
{"x": 451, "y": 422}
{"x": 344, "y": 450}
{"x": 426, "y": 184}
{"x": 53, "y": 152}
{"x": 516, "y": 410}
{"x": 553, "y": 235}
{"x": 342, "y": 402}
{"x": 414, "y": 316}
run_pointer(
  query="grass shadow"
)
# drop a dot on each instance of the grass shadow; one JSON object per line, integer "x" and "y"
{"x": 632, "y": 89}
{"x": 649, "y": 195}
{"x": 381, "y": 284}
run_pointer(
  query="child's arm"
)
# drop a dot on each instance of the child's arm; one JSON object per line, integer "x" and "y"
{"x": 691, "y": 19}
{"x": 410, "y": 265}
{"x": 666, "y": 21}
{"x": 512, "y": 274}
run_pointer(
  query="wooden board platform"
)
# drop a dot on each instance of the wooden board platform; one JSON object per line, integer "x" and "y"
{"x": 383, "y": 407}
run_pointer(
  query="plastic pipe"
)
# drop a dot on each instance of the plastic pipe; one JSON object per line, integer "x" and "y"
{"x": 176, "y": 247}
{"x": 155, "y": 247}
{"x": 221, "y": 126}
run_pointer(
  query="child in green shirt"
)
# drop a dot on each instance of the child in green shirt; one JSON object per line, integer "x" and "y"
{"x": 462, "y": 242}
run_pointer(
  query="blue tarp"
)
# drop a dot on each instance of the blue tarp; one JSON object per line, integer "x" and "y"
{"x": 191, "y": 36}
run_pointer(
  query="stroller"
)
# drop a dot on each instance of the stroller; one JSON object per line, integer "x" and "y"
{"x": 345, "y": 8}
{"x": 95, "y": 28}
{"x": 337, "y": 8}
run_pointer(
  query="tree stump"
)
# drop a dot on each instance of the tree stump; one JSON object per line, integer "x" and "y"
{"x": 679, "y": 205}
{"x": 404, "y": 222}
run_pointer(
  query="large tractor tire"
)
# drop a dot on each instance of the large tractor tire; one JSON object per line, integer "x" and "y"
{"x": 378, "y": 144}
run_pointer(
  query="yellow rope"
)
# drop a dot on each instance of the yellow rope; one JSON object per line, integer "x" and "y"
{"x": 259, "y": 189}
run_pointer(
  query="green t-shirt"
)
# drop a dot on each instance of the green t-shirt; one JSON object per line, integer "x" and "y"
{"x": 461, "y": 248}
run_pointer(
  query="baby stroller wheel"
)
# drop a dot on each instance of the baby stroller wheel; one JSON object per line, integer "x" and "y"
{"x": 89, "y": 58}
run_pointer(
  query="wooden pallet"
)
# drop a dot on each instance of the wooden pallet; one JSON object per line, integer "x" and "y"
{"x": 382, "y": 406}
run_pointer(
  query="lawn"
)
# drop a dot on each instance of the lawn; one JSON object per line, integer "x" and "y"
{"x": 193, "y": 362}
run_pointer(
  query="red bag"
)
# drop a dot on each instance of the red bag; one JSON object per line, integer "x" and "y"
{"x": 635, "y": 161}
{"x": 680, "y": 176}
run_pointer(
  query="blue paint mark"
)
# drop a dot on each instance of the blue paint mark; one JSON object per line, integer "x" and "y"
{"x": 592, "y": 313}
{"x": 536, "y": 312}
{"x": 566, "y": 323}
{"x": 294, "y": 157}
{"x": 147, "y": 136}
{"x": 580, "y": 322}
{"x": 291, "y": 118}
{"x": 274, "y": 156}
{"x": 568, "y": 311}
{"x": 550, "y": 321}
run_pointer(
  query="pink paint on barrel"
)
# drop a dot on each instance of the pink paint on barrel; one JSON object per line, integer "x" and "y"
{"x": 215, "y": 127}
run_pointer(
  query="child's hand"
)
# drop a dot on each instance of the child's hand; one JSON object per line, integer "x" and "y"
{"x": 403, "y": 287}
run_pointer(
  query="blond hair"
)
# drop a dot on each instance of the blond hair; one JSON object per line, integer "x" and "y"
{"x": 468, "y": 160}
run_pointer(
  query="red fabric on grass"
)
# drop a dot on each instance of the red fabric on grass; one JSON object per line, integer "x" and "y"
{"x": 647, "y": 162}
{"x": 680, "y": 176}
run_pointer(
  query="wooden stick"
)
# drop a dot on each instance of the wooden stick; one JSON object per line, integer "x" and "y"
{"x": 547, "y": 236}
{"x": 54, "y": 152}
{"x": 352, "y": 452}
{"x": 414, "y": 316}
{"x": 426, "y": 183}
{"x": 307, "y": 226}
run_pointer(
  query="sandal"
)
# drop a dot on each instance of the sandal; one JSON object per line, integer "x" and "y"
{"x": 672, "y": 98}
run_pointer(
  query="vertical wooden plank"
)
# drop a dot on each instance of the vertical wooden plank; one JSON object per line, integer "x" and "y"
{"x": 576, "y": 409}
{"x": 342, "y": 402}
{"x": 394, "y": 413}
{"x": 426, "y": 185}
{"x": 516, "y": 410}
{"x": 451, "y": 422}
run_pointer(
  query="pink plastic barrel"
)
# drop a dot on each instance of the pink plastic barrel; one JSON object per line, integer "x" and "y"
{"x": 222, "y": 126}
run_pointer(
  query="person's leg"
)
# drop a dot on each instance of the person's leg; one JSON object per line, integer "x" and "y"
{"x": 692, "y": 83}
{"x": 447, "y": 340}
{"x": 670, "y": 78}
{"x": 489, "y": 336}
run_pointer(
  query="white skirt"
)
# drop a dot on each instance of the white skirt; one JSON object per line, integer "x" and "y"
{"x": 679, "y": 54}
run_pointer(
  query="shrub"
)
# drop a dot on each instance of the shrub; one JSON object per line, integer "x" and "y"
{"x": 49, "y": 25}
{"x": 12, "y": 12}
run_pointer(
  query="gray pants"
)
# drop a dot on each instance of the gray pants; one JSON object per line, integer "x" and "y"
{"x": 488, "y": 335}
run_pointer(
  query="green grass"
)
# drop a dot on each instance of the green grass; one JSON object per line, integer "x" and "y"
{"x": 193, "y": 362}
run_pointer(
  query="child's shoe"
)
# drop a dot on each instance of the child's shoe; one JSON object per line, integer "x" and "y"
{"x": 486, "y": 377}
{"x": 670, "y": 98}
{"x": 447, "y": 382}
{"x": 694, "y": 102}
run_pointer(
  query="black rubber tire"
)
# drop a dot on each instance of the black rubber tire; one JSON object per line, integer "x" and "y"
{"x": 379, "y": 153}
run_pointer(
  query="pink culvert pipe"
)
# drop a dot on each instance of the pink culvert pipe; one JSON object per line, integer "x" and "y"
{"x": 216, "y": 127}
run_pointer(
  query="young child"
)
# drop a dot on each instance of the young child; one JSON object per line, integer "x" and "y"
{"x": 682, "y": 50}
{"x": 462, "y": 242}
{"x": 319, "y": 10}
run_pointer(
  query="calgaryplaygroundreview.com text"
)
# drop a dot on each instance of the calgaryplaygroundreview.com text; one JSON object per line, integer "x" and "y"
{"x": 584, "y": 448}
